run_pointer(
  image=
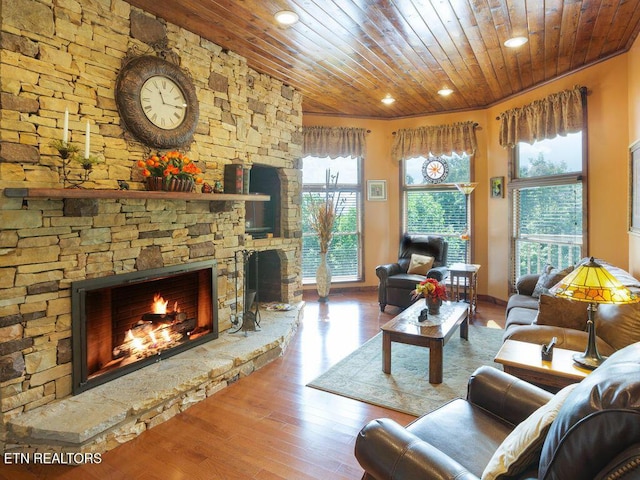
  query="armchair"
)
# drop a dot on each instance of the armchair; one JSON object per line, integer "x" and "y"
{"x": 396, "y": 283}
{"x": 595, "y": 435}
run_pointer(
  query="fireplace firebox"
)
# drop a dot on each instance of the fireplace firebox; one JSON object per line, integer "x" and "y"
{"x": 124, "y": 322}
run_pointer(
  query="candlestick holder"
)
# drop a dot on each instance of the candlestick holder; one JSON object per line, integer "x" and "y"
{"x": 69, "y": 153}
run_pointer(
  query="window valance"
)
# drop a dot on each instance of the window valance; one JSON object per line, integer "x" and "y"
{"x": 558, "y": 114}
{"x": 334, "y": 142}
{"x": 437, "y": 140}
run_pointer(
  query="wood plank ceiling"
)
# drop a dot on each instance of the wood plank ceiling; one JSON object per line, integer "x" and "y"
{"x": 344, "y": 56}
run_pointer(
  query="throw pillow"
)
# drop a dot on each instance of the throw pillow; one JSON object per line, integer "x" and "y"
{"x": 523, "y": 445}
{"x": 618, "y": 325}
{"x": 420, "y": 264}
{"x": 548, "y": 278}
{"x": 561, "y": 312}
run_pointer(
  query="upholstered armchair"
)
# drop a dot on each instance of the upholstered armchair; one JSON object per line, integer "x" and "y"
{"x": 508, "y": 428}
{"x": 397, "y": 280}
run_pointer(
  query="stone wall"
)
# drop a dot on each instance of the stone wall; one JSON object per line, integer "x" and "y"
{"x": 66, "y": 55}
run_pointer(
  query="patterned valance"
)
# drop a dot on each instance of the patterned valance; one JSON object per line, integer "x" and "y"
{"x": 334, "y": 142}
{"x": 437, "y": 140}
{"x": 558, "y": 114}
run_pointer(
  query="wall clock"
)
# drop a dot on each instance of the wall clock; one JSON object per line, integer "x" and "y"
{"x": 435, "y": 169}
{"x": 157, "y": 102}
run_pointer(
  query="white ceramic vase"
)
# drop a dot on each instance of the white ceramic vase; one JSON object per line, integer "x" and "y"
{"x": 323, "y": 278}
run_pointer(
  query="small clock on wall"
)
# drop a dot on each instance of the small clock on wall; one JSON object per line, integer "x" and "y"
{"x": 435, "y": 170}
{"x": 157, "y": 102}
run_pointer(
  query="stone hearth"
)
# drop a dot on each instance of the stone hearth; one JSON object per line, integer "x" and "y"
{"x": 109, "y": 415}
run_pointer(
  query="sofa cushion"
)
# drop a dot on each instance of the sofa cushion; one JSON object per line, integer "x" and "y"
{"x": 561, "y": 312}
{"x": 567, "y": 338}
{"x": 548, "y": 278}
{"x": 521, "y": 301}
{"x": 618, "y": 325}
{"x": 523, "y": 445}
{"x": 420, "y": 264}
{"x": 521, "y": 316}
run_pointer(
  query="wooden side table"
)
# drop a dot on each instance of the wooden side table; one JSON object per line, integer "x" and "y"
{"x": 463, "y": 283}
{"x": 524, "y": 360}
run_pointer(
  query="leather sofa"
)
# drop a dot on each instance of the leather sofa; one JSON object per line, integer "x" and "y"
{"x": 595, "y": 435}
{"x": 537, "y": 318}
{"x": 395, "y": 279}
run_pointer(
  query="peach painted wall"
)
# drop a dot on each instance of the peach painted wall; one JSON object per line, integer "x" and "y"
{"x": 609, "y": 130}
{"x": 607, "y": 104}
{"x": 634, "y": 136}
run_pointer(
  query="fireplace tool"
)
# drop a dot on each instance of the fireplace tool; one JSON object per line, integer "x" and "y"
{"x": 250, "y": 318}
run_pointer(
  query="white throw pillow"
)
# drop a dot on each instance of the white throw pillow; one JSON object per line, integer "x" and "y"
{"x": 523, "y": 445}
{"x": 420, "y": 264}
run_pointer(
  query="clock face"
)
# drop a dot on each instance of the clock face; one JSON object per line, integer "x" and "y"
{"x": 163, "y": 102}
{"x": 435, "y": 170}
{"x": 157, "y": 102}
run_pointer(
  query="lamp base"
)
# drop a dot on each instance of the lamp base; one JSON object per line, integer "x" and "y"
{"x": 586, "y": 360}
{"x": 591, "y": 358}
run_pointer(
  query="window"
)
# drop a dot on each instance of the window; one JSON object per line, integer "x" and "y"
{"x": 548, "y": 204}
{"x": 345, "y": 253}
{"x": 437, "y": 208}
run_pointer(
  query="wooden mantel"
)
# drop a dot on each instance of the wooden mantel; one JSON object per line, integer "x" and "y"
{"x": 133, "y": 194}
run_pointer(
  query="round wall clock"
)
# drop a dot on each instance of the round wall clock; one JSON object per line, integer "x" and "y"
{"x": 157, "y": 102}
{"x": 435, "y": 169}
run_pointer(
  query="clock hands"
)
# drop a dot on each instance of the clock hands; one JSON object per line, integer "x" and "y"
{"x": 182, "y": 105}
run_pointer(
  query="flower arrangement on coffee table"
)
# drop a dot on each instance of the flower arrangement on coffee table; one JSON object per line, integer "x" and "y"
{"x": 172, "y": 171}
{"x": 434, "y": 293}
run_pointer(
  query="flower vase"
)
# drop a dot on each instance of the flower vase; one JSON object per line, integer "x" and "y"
{"x": 179, "y": 185}
{"x": 155, "y": 183}
{"x": 434, "y": 305}
{"x": 173, "y": 185}
{"x": 323, "y": 278}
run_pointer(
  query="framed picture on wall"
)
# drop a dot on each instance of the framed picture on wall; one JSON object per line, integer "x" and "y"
{"x": 377, "y": 190}
{"x": 634, "y": 190}
{"x": 497, "y": 187}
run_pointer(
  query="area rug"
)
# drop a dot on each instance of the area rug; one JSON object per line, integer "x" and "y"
{"x": 407, "y": 388}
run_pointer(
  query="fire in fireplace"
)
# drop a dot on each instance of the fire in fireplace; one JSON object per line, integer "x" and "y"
{"x": 124, "y": 322}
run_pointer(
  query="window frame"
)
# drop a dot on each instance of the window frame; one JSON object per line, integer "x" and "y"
{"x": 358, "y": 189}
{"x": 517, "y": 183}
{"x": 438, "y": 187}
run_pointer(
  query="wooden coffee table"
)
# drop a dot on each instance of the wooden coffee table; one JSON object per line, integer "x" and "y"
{"x": 405, "y": 328}
{"x": 523, "y": 360}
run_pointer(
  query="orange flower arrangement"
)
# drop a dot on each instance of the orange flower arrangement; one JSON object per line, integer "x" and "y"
{"x": 430, "y": 288}
{"x": 170, "y": 165}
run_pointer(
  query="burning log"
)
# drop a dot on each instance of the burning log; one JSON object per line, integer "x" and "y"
{"x": 147, "y": 338}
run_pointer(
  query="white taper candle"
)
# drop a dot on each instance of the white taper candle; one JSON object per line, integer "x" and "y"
{"x": 87, "y": 140}
{"x": 65, "y": 131}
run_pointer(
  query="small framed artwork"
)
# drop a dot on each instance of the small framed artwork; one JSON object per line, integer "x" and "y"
{"x": 377, "y": 190}
{"x": 634, "y": 198}
{"x": 497, "y": 187}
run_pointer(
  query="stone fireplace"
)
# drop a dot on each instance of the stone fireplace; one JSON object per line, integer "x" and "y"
{"x": 52, "y": 238}
{"x": 124, "y": 322}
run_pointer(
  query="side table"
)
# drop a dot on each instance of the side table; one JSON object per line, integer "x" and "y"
{"x": 463, "y": 282}
{"x": 523, "y": 360}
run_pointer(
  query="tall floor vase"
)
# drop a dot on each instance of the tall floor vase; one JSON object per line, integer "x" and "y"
{"x": 323, "y": 278}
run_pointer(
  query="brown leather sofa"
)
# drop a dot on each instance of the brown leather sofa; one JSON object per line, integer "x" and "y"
{"x": 596, "y": 434}
{"x": 538, "y": 318}
{"x": 395, "y": 283}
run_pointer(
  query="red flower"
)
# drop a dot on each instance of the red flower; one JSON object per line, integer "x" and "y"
{"x": 431, "y": 288}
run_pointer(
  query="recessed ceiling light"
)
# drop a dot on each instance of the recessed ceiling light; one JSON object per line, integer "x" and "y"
{"x": 286, "y": 17}
{"x": 388, "y": 100}
{"x": 445, "y": 92}
{"x": 516, "y": 42}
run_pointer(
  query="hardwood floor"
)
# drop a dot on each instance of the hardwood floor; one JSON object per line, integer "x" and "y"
{"x": 267, "y": 426}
